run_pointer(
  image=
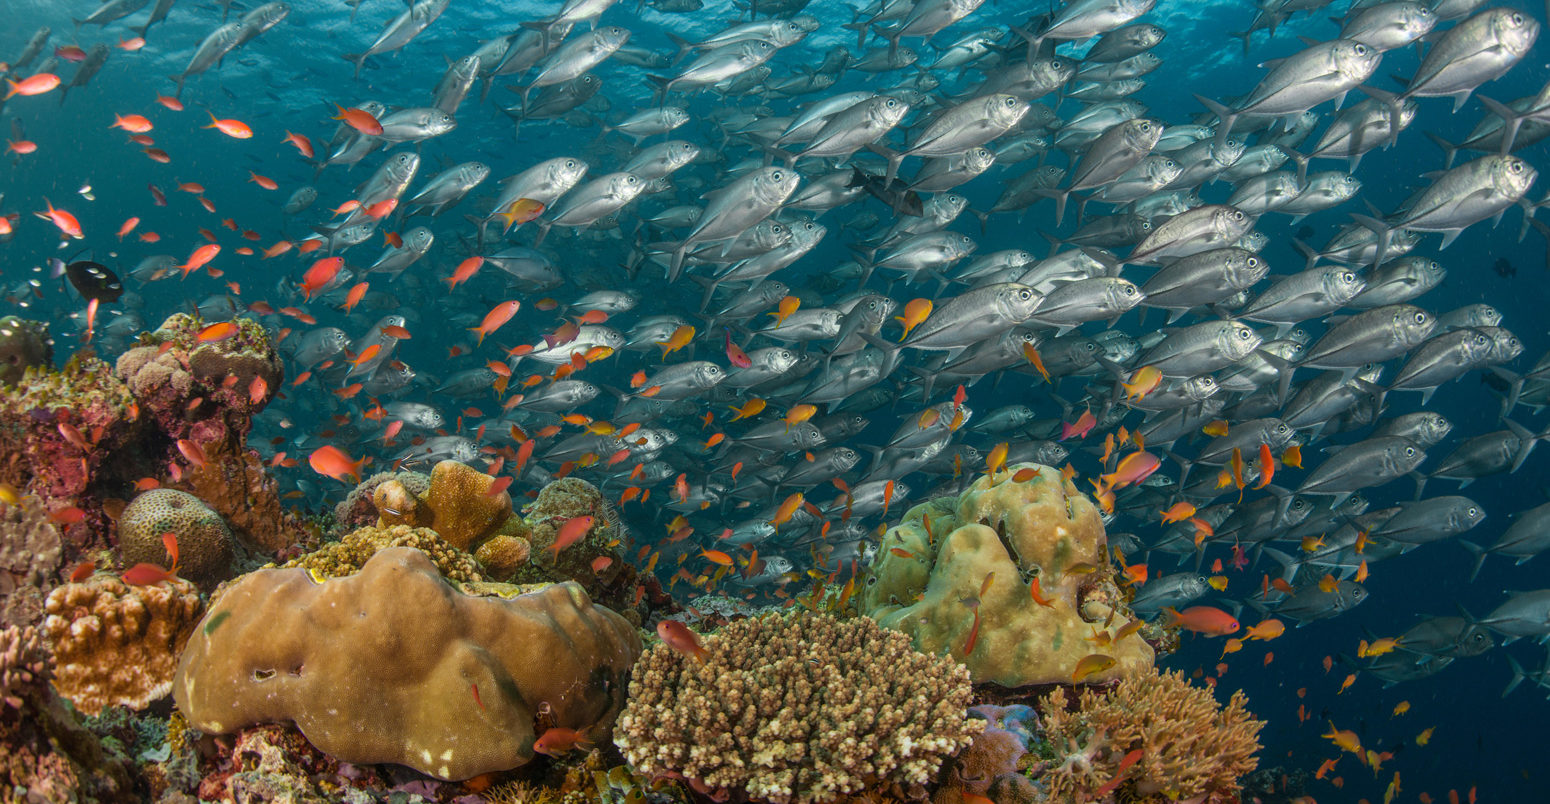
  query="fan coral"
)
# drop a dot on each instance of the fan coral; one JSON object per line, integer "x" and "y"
{"x": 1191, "y": 748}
{"x": 23, "y": 344}
{"x": 453, "y": 685}
{"x": 204, "y": 541}
{"x": 992, "y": 544}
{"x": 797, "y": 708}
{"x": 116, "y": 644}
{"x": 349, "y": 554}
{"x": 29, "y": 560}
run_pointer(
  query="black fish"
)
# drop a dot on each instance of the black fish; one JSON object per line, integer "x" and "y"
{"x": 1504, "y": 268}
{"x": 896, "y": 195}
{"x": 94, "y": 280}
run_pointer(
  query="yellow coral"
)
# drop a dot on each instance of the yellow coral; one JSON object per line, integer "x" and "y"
{"x": 204, "y": 542}
{"x": 1014, "y": 534}
{"x": 116, "y": 644}
{"x": 1191, "y": 748}
{"x": 349, "y": 554}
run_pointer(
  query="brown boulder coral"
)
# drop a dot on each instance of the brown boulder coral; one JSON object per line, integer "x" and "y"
{"x": 453, "y": 685}
{"x": 797, "y": 708}
{"x": 116, "y": 644}
{"x": 349, "y": 554}
{"x": 204, "y": 542}
{"x": 992, "y": 544}
{"x": 1191, "y": 747}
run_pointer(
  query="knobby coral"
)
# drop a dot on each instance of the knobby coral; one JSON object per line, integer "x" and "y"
{"x": 349, "y": 554}
{"x": 1012, "y": 577}
{"x": 452, "y": 684}
{"x": 797, "y": 708}
{"x": 116, "y": 644}
{"x": 30, "y": 554}
{"x": 204, "y": 542}
{"x": 1191, "y": 748}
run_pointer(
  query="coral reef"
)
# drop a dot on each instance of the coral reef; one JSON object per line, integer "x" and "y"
{"x": 45, "y": 756}
{"x": 204, "y": 542}
{"x": 454, "y": 685}
{"x": 993, "y": 760}
{"x": 359, "y": 508}
{"x": 558, "y": 503}
{"x": 116, "y": 644}
{"x": 30, "y": 555}
{"x": 203, "y": 391}
{"x": 23, "y": 344}
{"x": 958, "y": 575}
{"x": 349, "y": 554}
{"x": 235, "y": 485}
{"x": 796, "y": 708}
{"x": 455, "y": 503}
{"x": 57, "y": 428}
{"x": 1190, "y": 747}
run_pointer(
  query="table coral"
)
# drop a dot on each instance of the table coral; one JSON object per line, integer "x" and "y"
{"x": 1191, "y": 747}
{"x": 204, "y": 541}
{"x": 116, "y": 644}
{"x": 45, "y": 756}
{"x": 796, "y": 708}
{"x": 30, "y": 554}
{"x": 986, "y": 548}
{"x": 23, "y": 344}
{"x": 453, "y": 684}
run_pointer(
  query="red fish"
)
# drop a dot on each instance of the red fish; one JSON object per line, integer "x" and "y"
{"x": 147, "y": 574}
{"x": 1083, "y": 425}
{"x": 496, "y": 318}
{"x": 558, "y": 740}
{"x": 32, "y": 85}
{"x": 319, "y": 275}
{"x": 735, "y": 354}
{"x": 1206, "y": 620}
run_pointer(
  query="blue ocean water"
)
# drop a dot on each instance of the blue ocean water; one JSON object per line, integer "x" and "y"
{"x": 289, "y": 78}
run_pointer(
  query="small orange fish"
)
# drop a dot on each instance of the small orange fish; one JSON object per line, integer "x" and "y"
{"x": 787, "y": 306}
{"x": 1035, "y": 360}
{"x": 146, "y": 575}
{"x": 235, "y": 129}
{"x": 132, "y": 123}
{"x": 1089, "y": 665}
{"x": 677, "y": 636}
{"x": 334, "y": 462}
{"x": 301, "y": 142}
{"x": 570, "y": 533}
{"x": 678, "y": 340}
{"x": 915, "y": 312}
{"x": 521, "y": 211}
{"x": 496, "y": 318}
{"x": 359, "y": 119}
{"x": 557, "y": 740}
{"x": 217, "y": 332}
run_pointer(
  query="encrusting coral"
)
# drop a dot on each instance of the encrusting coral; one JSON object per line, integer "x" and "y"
{"x": 958, "y": 575}
{"x": 349, "y": 554}
{"x": 30, "y": 555}
{"x": 204, "y": 542}
{"x": 452, "y": 684}
{"x": 58, "y": 427}
{"x": 796, "y": 708}
{"x": 1190, "y": 747}
{"x": 116, "y": 644}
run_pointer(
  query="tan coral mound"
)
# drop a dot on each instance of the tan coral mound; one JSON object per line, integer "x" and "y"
{"x": 799, "y": 708}
{"x": 30, "y": 554}
{"x": 1041, "y": 529}
{"x": 449, "y": 684}
{"x": 116, "y": 644}
{"x": 1191, "y": 747}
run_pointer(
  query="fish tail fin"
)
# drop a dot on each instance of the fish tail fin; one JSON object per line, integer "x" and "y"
{"x": 1517, "y": 676}
{"x": 1511, "y": 120}
{"x": 660, "y": 85}
{"x": 543, "y": 231}
{"x": 1479, "y": 553}
{"x": 1225, "y": 118}
{"x": 1378, "y": 228}
{"x": 675, "y": 268}
{"x": 685, "y": 47}
{"x": 358, "y": 59}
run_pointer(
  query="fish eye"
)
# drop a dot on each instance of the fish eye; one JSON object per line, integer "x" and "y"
{"x": 1145, "y": 126}
{"x": 777, "y": 175}
{"x": 1420, "y": 318}
{"x": 891, "y": 103}
{"x": 1473, "y": 511}
{"x": 1361, "y": 50}
{"x": 1348, "y": 277}
{"x": 1253, "y": 262}
{"x": 1409, "y": 452}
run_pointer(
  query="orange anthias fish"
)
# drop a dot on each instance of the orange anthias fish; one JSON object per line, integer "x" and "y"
{"x": 1206, "y": 620}
{"x": 235, "y": 129}
{"x": 521, "y": 211}
{"x": 1132, "y": 469}
{"x": 359, "y": 119}
{"x": 570, "y": 533}
{"x": 1090, "y": 664}
{"x": 677, "y": 636}
{"x": 678, "y": 340}
{"x": 319, "y": 275}
{"x": 558, "y": 740}
{"x": 1179, "y": 512}
{"x": 1143, "y": 381}
{"x": 788, "y": 305}
{"x": 31, "y": 85}
{"x": 496, "y": 318}
{"x": 334, "y": 462}
{"x": 146, "y": 575}
{"x": 915, "y": 311}
{"x": 1267, "y": 466}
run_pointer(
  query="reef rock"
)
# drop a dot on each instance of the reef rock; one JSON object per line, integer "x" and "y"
{"x": 991, "y": 544}
{"x": 452, "y": 684}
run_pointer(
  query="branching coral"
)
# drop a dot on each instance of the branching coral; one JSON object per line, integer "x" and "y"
{"x": 797, "y": 708}
{"x": 116, "y": 644}
{"x": 1191, "y": 748}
